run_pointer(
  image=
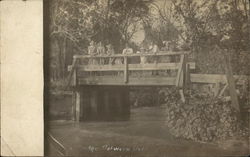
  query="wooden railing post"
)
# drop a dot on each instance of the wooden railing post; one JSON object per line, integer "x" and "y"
{"x": 74, "y": 77}
{"x": 184, "y": 69}
{"x": 180, "y": 78}
{"x": 73, "y": 73}
{"x": 126, "y": 69}
{"x": 73, "y": 106}
{"x": 187, "y": 77}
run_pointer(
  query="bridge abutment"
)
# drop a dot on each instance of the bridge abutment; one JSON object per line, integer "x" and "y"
{"x": 101, "y": 103}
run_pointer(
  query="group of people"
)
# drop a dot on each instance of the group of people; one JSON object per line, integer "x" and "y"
{"x": 152, "y": 49}
{"x": 100, "y": 50}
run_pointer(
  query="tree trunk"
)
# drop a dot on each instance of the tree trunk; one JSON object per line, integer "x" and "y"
{"x": 249, "y": 24}
{"x": 231, "y": 82}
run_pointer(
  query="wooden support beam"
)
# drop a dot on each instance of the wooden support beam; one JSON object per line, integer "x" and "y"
{"x": 223, "y": 90}
{"x": 187, "y": 77}
{"x": 77, "y": 105}
{"x": 74, "y": 77}
{"x": 216, "y": 89}
{"x": 184, "y": 72}
{"x": 231, "y": 85}
{"x": 179, "y": 76}
{"x": 215, "y": 78}
{"x": 73, "y": 73}
{"x": 208, "y": 78}
{"x": 126, "y": 70}
{"x": 73, "y": 109}
{"x": 182, "y": 95}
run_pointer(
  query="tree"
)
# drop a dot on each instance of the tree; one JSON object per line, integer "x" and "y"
{"x": 127, "y": 14}
{"x": 73, "y": 23}
{"x": 161, "y": 25}
{"x": 70, "y": 22}
{"x": 209, "y": 23}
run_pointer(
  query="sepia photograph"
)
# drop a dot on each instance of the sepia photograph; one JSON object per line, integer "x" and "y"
{"x": 146, "y": 78}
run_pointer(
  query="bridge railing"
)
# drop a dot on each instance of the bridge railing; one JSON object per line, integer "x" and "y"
{"x": 160, "y": 61}
{"x": 160, "y": 53}
{"x": 100, "y": 58}
{"x": 121, "y": 69}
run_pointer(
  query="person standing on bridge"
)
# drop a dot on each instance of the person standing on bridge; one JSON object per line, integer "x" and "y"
{"x": 110, "y": 51}
{"x": 172, "y": 48}
{"x": 92, "y": 52}
{"x": 154, "y": 49}
{"x": 143, "y": 58}
{"x": 101, "y": 52}
{"x": 127, "y": 50}
{"x": 165, "y": 49}
{"x": 166, "y": 59}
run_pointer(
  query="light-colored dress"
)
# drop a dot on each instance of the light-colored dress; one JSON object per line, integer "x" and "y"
{"x": 118, "y": 61}
{"x": 101, "y": 52}
{"x": 92, "y": 52}
{"x": 127, "y": 51}
{"x": 153, "y": 49}
{"x": 165, "y": 59}
{"x": 111, "y": 51}
{"x": 143, "y": 59}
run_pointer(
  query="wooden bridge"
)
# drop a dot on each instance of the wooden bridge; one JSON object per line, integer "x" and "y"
{"x": 101, "y": 85}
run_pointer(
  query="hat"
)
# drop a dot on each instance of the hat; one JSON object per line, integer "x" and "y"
{"x": 109, "y": 45}
{"x": 92, "y": 42}
{"x": 165, "y": 42}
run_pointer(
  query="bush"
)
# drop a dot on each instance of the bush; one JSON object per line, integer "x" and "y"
{"x": 202, "y": 118}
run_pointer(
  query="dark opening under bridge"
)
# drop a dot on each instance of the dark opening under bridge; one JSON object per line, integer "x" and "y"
{"x": 101, "y": 85}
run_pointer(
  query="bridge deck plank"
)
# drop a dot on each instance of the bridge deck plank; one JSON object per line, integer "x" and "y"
{"x": 157, "y": 80}
{"x": 217, "y": 78}
{"x": 132, "y": 67}
{"x": 141, "y": 81}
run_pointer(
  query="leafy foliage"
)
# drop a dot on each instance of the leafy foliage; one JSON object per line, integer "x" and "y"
{"x": 74, "y": 23}
{"x": 203, "y": 118}
{"x": 208, "y": 24}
